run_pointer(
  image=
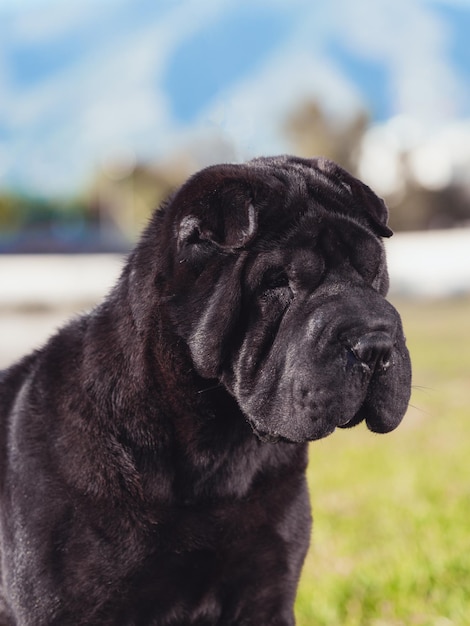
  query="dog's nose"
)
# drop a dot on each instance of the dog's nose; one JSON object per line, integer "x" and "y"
{"x": 373, "y": 350}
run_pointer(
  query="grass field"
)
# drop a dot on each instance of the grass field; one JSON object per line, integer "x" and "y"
{"x": 391, "y": 537}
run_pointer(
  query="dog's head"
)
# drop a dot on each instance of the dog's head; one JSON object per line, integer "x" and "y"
{"x": 276, "y": 277}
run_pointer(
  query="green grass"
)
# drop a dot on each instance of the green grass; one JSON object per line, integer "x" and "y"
{"x": 391, "y": 536}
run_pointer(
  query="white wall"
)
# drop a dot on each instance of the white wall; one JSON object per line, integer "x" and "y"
{"x": 432, "y": 263}
{"x": 38, "y": 293}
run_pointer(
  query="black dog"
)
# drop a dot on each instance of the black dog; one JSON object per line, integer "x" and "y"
{"x": 133, "y": 490}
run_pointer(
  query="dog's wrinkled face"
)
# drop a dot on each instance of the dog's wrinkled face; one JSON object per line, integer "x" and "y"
{"x": 277, "y": 285}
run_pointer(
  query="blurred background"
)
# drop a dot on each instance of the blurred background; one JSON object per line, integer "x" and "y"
{"x": 108, "y": 105}
{"x": 105, "y": 107}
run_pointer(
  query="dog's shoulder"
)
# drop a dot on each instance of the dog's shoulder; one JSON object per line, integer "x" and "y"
{"x": 12, "y": 379}
{"x": 37, "y": 371}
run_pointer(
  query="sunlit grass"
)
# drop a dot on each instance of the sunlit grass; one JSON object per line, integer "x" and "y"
{"x": 391, "y": 538}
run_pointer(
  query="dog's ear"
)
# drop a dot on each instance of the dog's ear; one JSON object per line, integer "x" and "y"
{"x": 229, "y": 228}
{"x": 216, "y": 205}
{"x": 374, "y": 206}
{"x": 357, "y": 197}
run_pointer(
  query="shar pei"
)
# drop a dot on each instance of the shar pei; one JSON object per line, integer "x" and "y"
{"x": 153, "y": 452}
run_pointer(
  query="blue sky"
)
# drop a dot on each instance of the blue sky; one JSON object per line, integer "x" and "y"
{"x": 84, "y": 83}
{"x": 219, "y": 55}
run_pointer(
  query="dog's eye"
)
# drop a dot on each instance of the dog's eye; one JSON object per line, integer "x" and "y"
{"x": 274, "y": 278}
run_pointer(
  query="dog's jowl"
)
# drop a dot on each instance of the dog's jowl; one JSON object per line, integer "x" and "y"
{"x": 153, "y": 452}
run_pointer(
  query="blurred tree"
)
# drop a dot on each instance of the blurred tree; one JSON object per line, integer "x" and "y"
{"x": 34, "y": 224}
{"x": 122, "y": 195}
{"x": 124, "y": 200}
{"x": 312, "y": 132}
{"x": 418, "y": 208}
{"x": 10, "y": 213}
{"x": 18, "y": 210}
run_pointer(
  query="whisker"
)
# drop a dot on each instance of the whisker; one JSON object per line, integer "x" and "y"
{"x": 417, "y": 408}
{"x": 422, "y": 387}
{"x": 164, "y": 299}
{"x": 210, "y": 388}
{"x": 425, "y": 390}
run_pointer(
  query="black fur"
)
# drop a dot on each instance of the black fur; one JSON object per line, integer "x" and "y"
{"x": 132, "y": 489}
